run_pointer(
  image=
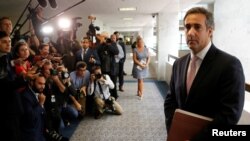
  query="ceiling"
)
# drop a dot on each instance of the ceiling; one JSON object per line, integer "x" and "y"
{"x": 106, "y": 11}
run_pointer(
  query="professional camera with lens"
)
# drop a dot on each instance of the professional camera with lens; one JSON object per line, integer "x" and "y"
{"x": 78, "y": 94}
{"x": 53, "y": 72}
{"x": 110, "y": 102}
{"x": 98, "y": 76}
{"x": 64, "y": 75}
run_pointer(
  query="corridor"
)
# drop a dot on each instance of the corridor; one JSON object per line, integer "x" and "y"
{"x": 142, "y": 120}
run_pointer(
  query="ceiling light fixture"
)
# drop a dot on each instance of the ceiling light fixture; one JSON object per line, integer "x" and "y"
{"x": 127, "y": 19}
{"x": 127, "y": 9}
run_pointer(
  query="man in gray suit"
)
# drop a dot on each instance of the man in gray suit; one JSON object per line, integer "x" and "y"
{"x": 218, "y": 87}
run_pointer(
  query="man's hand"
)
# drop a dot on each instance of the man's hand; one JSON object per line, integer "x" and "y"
{"x": 78, "y": 106}
{"x": 92, "y": 77}
{"x": 83, "y": 90}
{"x": 41, "y": 98}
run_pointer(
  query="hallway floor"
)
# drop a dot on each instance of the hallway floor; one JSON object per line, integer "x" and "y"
{"x": 142, "y": 119}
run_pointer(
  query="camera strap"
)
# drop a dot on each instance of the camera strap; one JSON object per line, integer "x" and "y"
{"x": 100, "y": 88}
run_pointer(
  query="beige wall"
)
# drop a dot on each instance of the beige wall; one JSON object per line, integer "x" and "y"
{"x": 232, "y": 30}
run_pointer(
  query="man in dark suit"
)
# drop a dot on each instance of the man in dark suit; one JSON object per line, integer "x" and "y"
{"x": 217, "y": 89}
{"x": 121, "y": 72}
{"x": 33, "y": 119}
{"x": 88, "y": 54}
{"x": 10, "y": 102}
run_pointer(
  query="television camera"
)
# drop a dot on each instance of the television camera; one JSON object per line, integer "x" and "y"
{"x": 92, "y": 29}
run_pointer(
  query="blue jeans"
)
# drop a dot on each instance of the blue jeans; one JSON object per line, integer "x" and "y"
{"x": 68, "y": 112}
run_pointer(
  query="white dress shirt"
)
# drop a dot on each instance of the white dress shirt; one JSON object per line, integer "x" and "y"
{"x": 121, "y": 53}
{"x": 106, "y": 85}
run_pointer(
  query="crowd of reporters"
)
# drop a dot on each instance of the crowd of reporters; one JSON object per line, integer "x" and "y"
{"x": 49, "y": 85}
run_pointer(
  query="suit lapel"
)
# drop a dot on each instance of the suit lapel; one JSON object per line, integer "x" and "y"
{"x": 32, "y": 96}
{"x": 184, "y": 78}
{"x": 205, "y": 66}
{"x": 87, "y": 54}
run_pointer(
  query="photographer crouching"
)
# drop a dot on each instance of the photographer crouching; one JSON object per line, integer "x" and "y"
{"x": 99, "y": 87}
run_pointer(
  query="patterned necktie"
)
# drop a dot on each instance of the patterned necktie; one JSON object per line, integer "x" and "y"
{"x": 191, "y": 73}
{"x": 84, "y": 51}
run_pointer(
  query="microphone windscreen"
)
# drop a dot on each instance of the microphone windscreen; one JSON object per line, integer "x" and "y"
{"x": 43, "y": 3}
{"x": 53, "y": 3}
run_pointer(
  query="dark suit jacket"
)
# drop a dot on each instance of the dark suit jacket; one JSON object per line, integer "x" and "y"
{"x": 112, "y": 50}
{"x": 33, "y": 119}
{"x": 114, "y": 66}
{"x": 10, "y": 101}
{"x": 217, "y": 90}
{"x": 90, "y": 52}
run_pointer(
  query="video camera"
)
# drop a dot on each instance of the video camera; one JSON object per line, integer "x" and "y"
{"x": 92, "y": 28}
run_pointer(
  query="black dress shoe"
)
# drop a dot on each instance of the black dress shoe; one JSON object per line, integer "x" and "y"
{"x": 121, "y": 89}
{"x": 124, "y": 73}
{"x": 98, "y": 115}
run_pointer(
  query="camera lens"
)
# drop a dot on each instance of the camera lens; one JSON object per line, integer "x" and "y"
{"x": 53, "y": 72}
{"x": 98, "y": 76}
{"x": 65, "y": 75}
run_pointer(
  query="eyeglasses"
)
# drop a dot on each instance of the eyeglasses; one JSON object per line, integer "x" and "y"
{"x": 82, "y": 70}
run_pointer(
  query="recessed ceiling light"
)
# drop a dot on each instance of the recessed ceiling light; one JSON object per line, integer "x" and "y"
{"x": 127, "y": 9}
{"x": 127, "y": 19}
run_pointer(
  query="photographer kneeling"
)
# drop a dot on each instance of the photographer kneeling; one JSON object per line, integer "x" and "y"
{"x": 99, "y": 86}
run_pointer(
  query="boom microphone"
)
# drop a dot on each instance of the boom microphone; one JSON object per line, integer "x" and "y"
{"x": 53, "y": 3}
{"x": 43, "y": 3}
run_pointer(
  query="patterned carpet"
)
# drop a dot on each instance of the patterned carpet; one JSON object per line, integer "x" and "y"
{"x": 142, "y": 120}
